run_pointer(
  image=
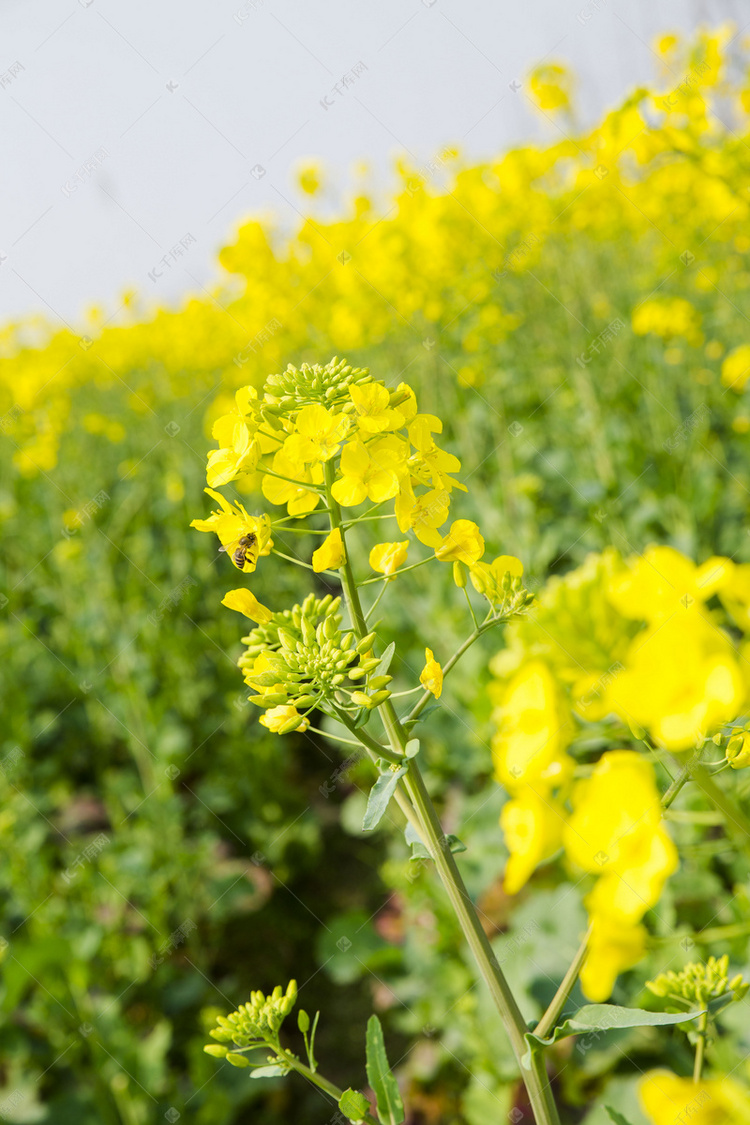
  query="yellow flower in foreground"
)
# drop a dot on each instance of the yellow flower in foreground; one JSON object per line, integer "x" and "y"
{"x": 330, "y": 555}
{"x": 669, "y": 1100}
{"x": 319, "y": 433}
{"x": 613, "y": 948}
{"x": 532, "y": 828}
{"x": 423, "y": 515}
{"x": 681, "y": 681}
{"x": 735, "y": 370}
{"x": 291, "y": 491}
{"x": 369, "y": 471}
{"x": 431, "y": 676}
{"x": 235, "y": 434}
{"x": 245, "y": 602}
{"x": 386, "y": 558}
{"x": 284, "y": 719}
{"x": 245, "y": 538}
{"x": 463, "y": 543}
{"x": 374, "y": 412}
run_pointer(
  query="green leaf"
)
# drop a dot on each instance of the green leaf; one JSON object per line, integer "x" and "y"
{"x": 381, "y": 669}
{"x": 380, "y": 1077}
{"x": 616, "y": 1117}
{"x": 269, "y": 1072}
{"x": 606, "y": 1017}
{"x": 412, "y": 748}
{"x": 418, "y": 849}
{"x": 353, "y": 1105}
{"x": 380, "y": 795}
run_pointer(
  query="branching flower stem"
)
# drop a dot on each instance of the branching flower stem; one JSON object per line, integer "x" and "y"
{"x": 430, "y": 830}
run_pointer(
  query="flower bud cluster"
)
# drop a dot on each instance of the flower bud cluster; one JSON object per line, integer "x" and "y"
{"x": 301, "y": 660}
{"x": 260, "y": 1019}
{"x": 311, "y": 383}
{"x": 698, "y": 983}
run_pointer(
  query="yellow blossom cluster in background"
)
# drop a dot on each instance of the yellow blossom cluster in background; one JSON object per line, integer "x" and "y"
{"x": 650, "y": 646}
{"x": 433, "y": 264}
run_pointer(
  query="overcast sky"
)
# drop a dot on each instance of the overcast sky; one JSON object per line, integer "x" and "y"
{"x": 128, "y": 127}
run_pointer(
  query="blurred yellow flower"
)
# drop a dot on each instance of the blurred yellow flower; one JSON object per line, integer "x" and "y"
{"x": 681, "y": 681}
{"x": 669, "y": 1100}
{"x": 735, "y": 370}
{"x": 532, "y": 828}
{"x": 528, "y": 748}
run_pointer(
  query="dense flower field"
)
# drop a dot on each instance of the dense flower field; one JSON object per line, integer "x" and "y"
{"x": 558, "y": 350}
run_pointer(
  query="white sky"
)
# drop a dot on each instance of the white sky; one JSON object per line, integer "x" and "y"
{"x": 182, "y": 100}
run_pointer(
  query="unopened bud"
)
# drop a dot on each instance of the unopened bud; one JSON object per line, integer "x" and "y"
{"x": 237, "y": 1060}
{"x": 366, "y": 643}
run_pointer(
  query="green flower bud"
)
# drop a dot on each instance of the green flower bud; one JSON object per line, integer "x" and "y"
{"x": 305, "y": 701}
{"x": 215, "y": 1050}
{"x": 366, "y": 643}
{"x": 380, "y": 697}
{"x": 237, "y": 1060}
{"x": 379, "y": 681}
{"x": 291, "y": 724}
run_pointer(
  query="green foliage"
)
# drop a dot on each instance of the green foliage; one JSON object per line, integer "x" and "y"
{"x": 379, "y": 1075}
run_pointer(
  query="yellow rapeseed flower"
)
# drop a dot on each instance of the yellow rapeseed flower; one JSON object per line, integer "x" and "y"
{"x": 528, "y": 747}
{"x": 245, "y": 602}
{"x": 388, "y": 557}
{"x": 369, "y": 471}
{"x": 431, "y": 676}
{"x": 284, "y": 719}
{"x": 245, "y": 538}
{"x": 667, "y": 1099}
{"x": 331, "y": 554}
{"x": 532, "y": 828}
{"x": 463, "y": 543}
{"x": 735, "y": 370}
{"x": 681, "y": 681}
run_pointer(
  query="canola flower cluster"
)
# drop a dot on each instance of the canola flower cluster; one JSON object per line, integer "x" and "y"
{"x": 634, "y": 643}
{"x": 432, "y": 266}
{"x": 331, "y": 434}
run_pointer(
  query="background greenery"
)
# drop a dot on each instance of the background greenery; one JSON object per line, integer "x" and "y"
{"x": 164, "y": 855}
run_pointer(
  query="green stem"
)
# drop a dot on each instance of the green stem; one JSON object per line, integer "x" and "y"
{"x": 549, "y": 1020}
{"x": 682, "y": 778}
{"x": 316, "y": 1079}
{"x": 737, "y": 824}
{"x": 700, "y": 1048}
{"x": 535, "y": 1076}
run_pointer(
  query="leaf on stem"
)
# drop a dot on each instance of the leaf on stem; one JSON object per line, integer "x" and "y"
{"x": 597, "y": 1018}
{"x": 616, "y": 1117}
{"x": 380, "y": 795}
{"x": 379, "y": 1075}
{"x": 354, "y": 1105}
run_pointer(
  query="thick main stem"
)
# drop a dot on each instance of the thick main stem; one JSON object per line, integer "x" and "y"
{"x": 534, "y": 1075}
